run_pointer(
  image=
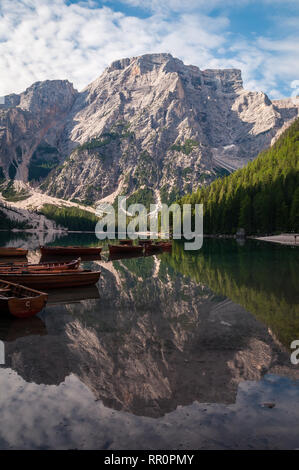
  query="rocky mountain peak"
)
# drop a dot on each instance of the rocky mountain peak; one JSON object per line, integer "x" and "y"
{"x": 224, "y": 80}
{"x": 30, "y": 124}
{"x": 149, "y": 124}
{"x": 227, "y": 80}
{"x": 49, "y": 94}
{"x": 146, "y": 62}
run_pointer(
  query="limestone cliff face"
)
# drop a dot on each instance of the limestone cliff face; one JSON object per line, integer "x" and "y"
{"x": 30, "y": 127}
{"x": 147, "y": 122}
{"x": 38, "y": 224}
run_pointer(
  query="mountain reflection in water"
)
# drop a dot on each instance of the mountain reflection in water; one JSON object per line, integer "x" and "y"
{"x": 169, "y": 331}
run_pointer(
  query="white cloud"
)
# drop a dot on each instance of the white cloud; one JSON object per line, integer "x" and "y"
{"x": 42, "y": 40}
{"x": 49, "y": 40}
{"x": 276, "y": 94}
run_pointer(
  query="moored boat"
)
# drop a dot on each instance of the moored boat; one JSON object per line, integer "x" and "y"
{"x": 158, "y": 246}
{"x": 53, "y": 266}
{"x": 113, "y": 249}
{"x": 20, "y": 301}
{"x": 6, "y": 251}
{"x": 68, "y": 258}
{"x": 145, "y": 242}
{"x": 52, "y": 279}
{"x": 152, "y": 247}
{"x": 70, "y": 250}
{"x": 126, "y": 242}
{"x": 166, "y": 246}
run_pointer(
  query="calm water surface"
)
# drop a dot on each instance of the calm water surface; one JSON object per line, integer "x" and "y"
{"x": 179, "y": 350}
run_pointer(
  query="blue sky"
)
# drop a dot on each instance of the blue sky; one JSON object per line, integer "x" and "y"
{"x": 43, "y": 39}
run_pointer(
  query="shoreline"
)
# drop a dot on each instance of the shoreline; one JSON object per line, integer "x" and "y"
{"x": 282, "y": 239}
{"x": 287, "y": 239}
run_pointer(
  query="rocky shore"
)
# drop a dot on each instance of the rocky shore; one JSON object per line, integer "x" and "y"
{"x": 284, "y": 239}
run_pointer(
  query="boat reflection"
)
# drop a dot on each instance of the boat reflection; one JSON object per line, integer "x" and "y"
{"x": 122, "y": 256}
{"x": 11, "y": 329}
{"x": 70, "y": 295}
{"x": 46, "y": 258}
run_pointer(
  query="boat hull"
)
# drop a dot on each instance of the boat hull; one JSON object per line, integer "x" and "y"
{"x": 23, "y": 308}
{"x": 69, "y": 250}
{"x": 126, "y": 242}
{"x": 165, "y": 246}
{"x": 119, "y": 249}
{"x": 151, "y": 248}
{"x": 42, "y": 280}
{"x": 19, "y": 301}
{"x": 12, "y": 252}
{"x": 72, "y": 265}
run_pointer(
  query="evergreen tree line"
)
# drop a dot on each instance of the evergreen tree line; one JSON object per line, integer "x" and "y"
{"x": 72, "y": 218}
{"x": 262, "y": 197}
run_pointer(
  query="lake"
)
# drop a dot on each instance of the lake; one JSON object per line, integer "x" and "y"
{"x": 180, "y": 350}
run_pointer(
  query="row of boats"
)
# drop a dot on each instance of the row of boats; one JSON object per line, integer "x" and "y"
{"x": 20, "y": 281}
{"x": 124, "y": 246}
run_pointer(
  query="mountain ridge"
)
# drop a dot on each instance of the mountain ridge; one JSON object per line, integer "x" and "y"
{"x": 148, "y": 122}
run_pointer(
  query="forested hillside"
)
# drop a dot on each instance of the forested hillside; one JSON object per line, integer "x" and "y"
{"x": 72, "y": 218}
{"x": 263, "y": 197}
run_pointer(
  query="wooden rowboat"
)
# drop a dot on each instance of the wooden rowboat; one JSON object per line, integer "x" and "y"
{"x": 145, "y": 242}
{"x": 159, "y": 246}
{"x": 20, "y": 301}
{"x": 56, "y": 266}
{"x": 166, "y": 246}
{"x": 52, "y": 279}
{"x": 69, "y": 250}
{"x": 11, "y": 251}
{"x": 125, "y": 249}
{"x": 126, "y": 242}
{"x": 152, "y": 247}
